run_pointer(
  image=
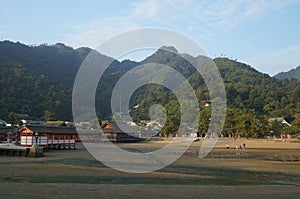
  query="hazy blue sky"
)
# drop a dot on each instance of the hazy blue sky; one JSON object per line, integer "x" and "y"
{"x": 262, "y": 33}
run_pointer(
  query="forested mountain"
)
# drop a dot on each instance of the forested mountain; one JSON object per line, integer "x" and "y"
{"x": 58, "y": 62}
{"x": 294, "y": 73}
{"x": 35, "y": 79}
{"x": 251, "y": 95}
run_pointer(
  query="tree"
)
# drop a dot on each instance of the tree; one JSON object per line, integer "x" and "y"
{"x": 13, "y": 118}
{"x": 263, "y": 126}
{"x": 246, "y": 122}
{"x": 171, "y": 126}
{"x": 94, "y": 123}
{"x": 296, "y": 125}
{"x": 173, "y": 119}
{"x": 205, "y": 116}
{"x": 49, "y": 116}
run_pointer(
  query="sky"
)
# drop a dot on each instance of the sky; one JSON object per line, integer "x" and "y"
{"x": 262, "y": 33}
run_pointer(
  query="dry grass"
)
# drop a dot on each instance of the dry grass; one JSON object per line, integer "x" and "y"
{"x": 264, "y": 169}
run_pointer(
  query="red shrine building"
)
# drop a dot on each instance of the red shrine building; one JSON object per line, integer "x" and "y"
{"x": 48, "y": 136}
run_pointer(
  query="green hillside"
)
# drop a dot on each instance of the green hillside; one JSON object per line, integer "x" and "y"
{"x": 251, "y": 95}
{"x": 35, "y": 79}
{"x": 39, "y": 78}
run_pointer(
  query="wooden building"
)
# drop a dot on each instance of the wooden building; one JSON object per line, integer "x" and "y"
{"x": 3, "y": 134}
{"x": 90, "y": 135}
{"x": 48, "y": 136}
{"x": 120, "y": 132}
{"x": 5, "y": 131}
{"x": 66, "y": 136}
{"x": 280, "y": 120}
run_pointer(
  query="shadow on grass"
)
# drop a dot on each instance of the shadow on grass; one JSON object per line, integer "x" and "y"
{"x": 131, "y": 180}
{"x": 189, "y": 175}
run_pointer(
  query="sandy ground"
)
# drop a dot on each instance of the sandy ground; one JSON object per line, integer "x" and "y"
{"x": 263, "y": 170}
{"x": 261, "y": 144}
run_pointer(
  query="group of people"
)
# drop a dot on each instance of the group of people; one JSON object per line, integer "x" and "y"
{"x": 238, "y": 147}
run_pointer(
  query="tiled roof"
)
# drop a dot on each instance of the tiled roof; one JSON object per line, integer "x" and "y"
{"x": 123, "y": 127}
{"x": 5, "y": 130}
{"x": 119, "y": 127}
{"x": 279, "y": 119}
{"x": 52, "y": 129}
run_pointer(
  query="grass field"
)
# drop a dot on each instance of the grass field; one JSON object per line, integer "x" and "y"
{"x": 265, "y": 169}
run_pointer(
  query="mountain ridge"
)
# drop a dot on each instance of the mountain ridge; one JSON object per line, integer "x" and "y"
{"x": 293, "y": 73}
{"x": 40, "y": 78}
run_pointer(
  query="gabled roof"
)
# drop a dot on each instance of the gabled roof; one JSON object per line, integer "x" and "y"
{"x": 120, "y": 127}
{"x": 279, "y": 119}
{"x": 52, "y": 129}
{"x": 123, "y": 127}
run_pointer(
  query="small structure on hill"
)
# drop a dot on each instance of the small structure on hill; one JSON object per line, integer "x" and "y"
{"x": 207, "y": 103}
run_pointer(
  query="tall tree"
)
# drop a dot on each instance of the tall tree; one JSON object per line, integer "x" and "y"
{"x": 49, "y": 116}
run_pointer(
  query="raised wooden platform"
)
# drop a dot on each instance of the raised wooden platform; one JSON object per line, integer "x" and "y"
{"x": 13, "y": 150}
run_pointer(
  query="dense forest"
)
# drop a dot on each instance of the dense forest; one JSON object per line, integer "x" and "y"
{"x": 252, "y": 98}
{"x": 36, "y": 82}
